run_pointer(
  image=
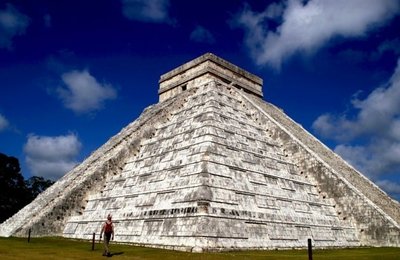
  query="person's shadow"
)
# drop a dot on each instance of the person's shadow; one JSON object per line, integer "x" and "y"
{"x": 116, "y": 253}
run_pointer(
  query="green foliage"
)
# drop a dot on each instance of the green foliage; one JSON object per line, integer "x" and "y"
{"x": 15, "y": 192}
{"x": 61, "y": 248}
{"x": 37, "y": 185}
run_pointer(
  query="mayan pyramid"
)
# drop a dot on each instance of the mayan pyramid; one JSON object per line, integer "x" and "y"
{"x": 212, "y": 166}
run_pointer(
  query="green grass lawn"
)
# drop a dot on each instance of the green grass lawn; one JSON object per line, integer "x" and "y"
{"x": 60, "y": 248}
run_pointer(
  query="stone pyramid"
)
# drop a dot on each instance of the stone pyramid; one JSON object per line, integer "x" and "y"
{"x": 213, "y": 166}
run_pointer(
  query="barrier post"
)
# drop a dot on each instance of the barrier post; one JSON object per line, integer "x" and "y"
{"x": 309, "y": 249}
{"x": 93, "y": 240}
{"x": 29, "y": 235}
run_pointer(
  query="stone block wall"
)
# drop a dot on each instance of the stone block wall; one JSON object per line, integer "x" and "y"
{"x": 49, "y": 212}
{"x": 214, "y": 176}
{"x": 355, "y": 198}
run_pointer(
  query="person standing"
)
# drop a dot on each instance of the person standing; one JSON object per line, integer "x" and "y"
{"x": 108, "y": 230}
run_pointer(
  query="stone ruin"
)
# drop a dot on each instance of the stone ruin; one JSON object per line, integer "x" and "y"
{"x": 211, "y": 167}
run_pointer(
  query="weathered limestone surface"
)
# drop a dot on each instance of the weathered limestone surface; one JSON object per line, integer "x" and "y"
{"x": 376, "y": 215}
{"x": 214, "y": 167}
{"x": 184, "y": 77}
{"x": 49, "y": 212}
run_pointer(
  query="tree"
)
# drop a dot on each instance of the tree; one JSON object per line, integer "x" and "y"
{"x": 15, "y": 192}
{"x": 37, "y": 185}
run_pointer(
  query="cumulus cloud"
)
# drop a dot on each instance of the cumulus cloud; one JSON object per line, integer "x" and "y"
{"x": 83, "y": 93}
{"x": 12, "y": 23}
{"x": 376, "y": 122}
{"x": 377, "y": 158}
{"x": 154, "y": 11}
{"x": 305, "y": 26}
{"x": 390, "y": 186}
{"x": 201, "y": 34}
{"x": 51, "y": 157}
{"x": 377, "y": 114}
{"x": 3, "y": 123}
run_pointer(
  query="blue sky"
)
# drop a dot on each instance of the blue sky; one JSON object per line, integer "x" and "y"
{"x": 73, "y": 73}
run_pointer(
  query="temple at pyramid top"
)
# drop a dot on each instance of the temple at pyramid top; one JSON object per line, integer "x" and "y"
{"x": 200, "y": 69}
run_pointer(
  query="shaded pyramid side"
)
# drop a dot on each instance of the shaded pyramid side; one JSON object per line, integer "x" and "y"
{"x": 48, "y": 213}
{"x": 375, "y": 214}
{"x": 214, "y": 177}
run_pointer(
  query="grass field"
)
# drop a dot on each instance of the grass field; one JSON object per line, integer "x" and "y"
{"x": 59, "y": 248}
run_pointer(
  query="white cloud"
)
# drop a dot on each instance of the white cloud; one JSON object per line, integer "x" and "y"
{"x": 12, "y": 23}
{"x": 376, "y": 124}
{"x": 84, "y": 93}
{"x": 3, "y": 122}
{"x": 328, "y": 125}
{"x": 154, "y": 11}
{"x": 306, "y": 26}
{"x": 392, "y": 46}
{"x": 389, "y": 186}
{"x": 201, "y": 34}
{"x": 376, "y": 158}
{"x": 51, "y": 157}
{"x": 378, "y": 114}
